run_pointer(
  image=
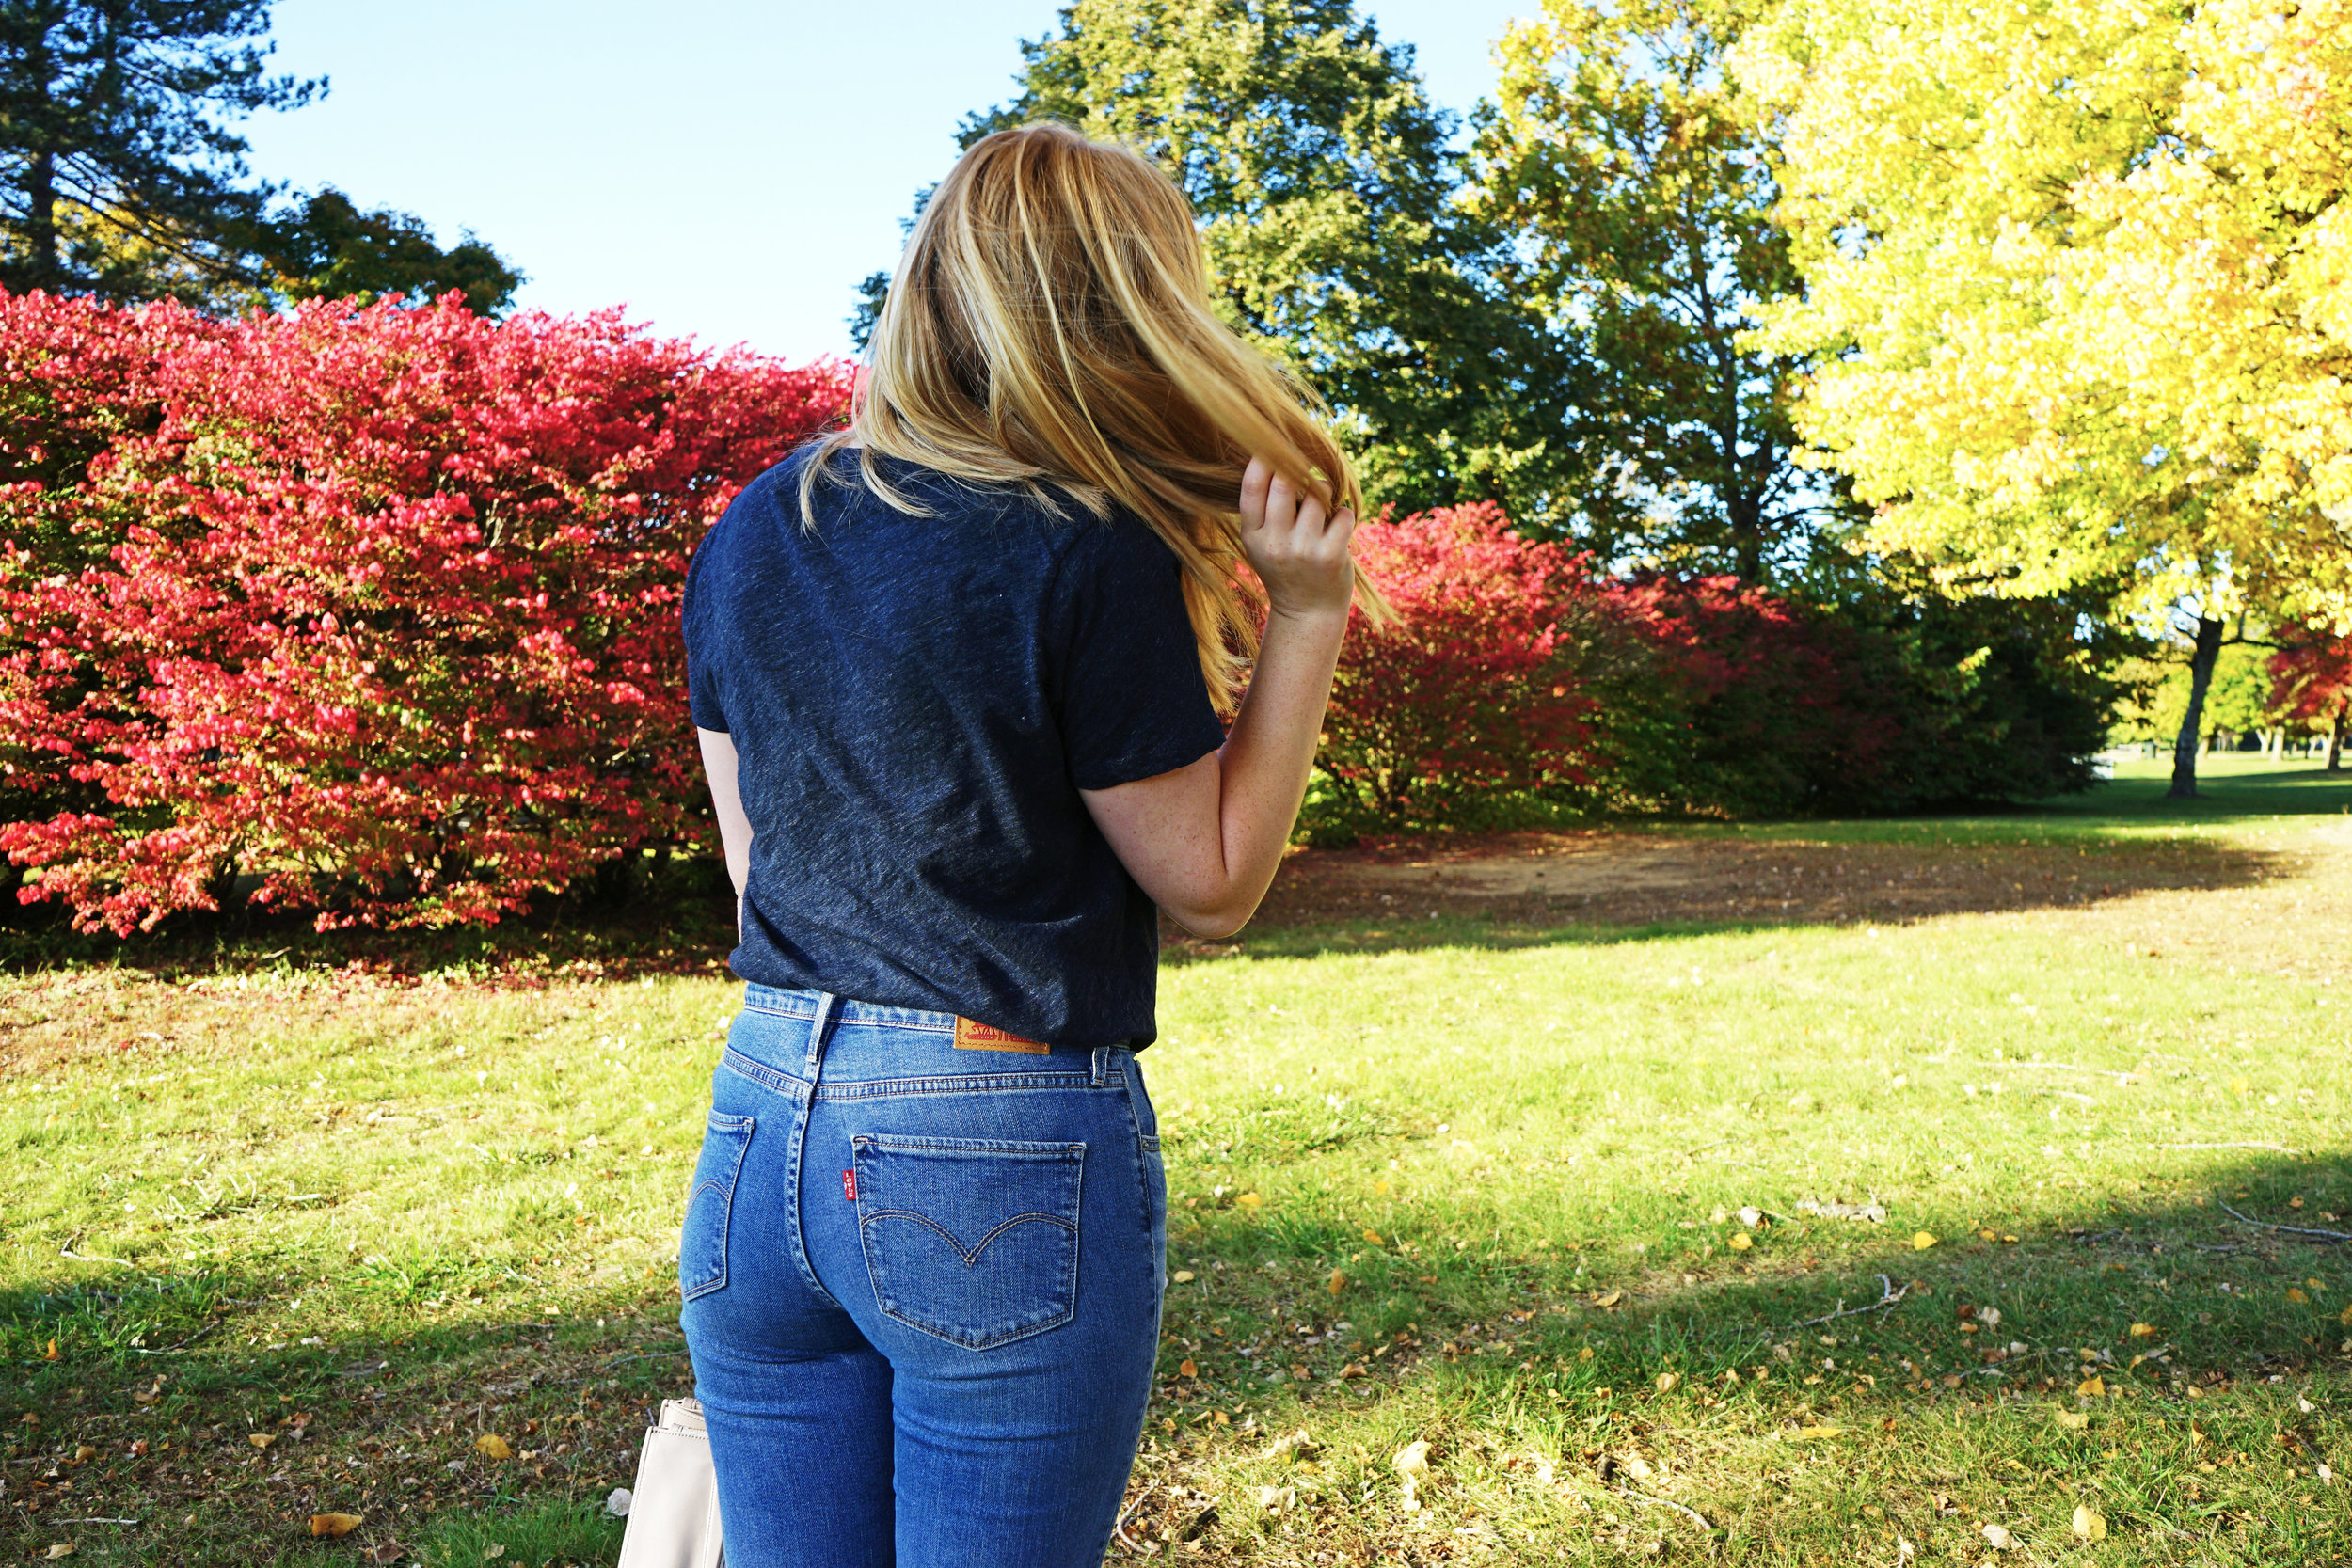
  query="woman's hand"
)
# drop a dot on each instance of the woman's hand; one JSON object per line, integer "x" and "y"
{"x": 1300, "y": 554}
{"x": 1204, "y": 841}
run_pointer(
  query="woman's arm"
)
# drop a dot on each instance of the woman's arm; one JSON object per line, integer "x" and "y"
{"x": 735, "y": 829}
{"x": 1204, "y": 841}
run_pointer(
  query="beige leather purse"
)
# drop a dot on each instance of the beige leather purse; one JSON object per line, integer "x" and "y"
{"x": 674, "y": 1510}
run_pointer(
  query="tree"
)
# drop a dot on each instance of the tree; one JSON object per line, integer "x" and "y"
{"x": 1627, "y": 166}
{"x": 2311, "y": 681}
{"x": 330, "y": 249}
{"x": 118, "y": 174}
{"x": 1326, "y": 189}
{"x": 1483, "y": 682}
{"x": 2076, "y": 275}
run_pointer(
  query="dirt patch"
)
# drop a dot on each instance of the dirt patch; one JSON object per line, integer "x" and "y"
{"x": 1625, "y": 879}
{"x": 2283, "y": 909}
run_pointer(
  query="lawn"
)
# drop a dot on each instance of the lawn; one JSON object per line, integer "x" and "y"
{"x": 1890, "y": 1213}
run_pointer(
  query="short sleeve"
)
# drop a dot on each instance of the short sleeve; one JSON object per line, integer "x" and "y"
{"x": 703, "y": 655}
{"x": 1133, "y": 703}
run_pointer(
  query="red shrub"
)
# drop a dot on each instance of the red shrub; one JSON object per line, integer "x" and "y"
{"x": 1474, "y": 687}
{"x": 2310, "y": 681}
{"x": 371, "y": 612}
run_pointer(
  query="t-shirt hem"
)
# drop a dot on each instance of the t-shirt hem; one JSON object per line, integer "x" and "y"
{"x": 1150, "y": 765}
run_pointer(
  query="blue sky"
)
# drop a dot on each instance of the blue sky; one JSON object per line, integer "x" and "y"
{"x": 723, "y": 169}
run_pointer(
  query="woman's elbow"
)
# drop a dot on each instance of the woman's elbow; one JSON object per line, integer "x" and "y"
{"x": 1212, "y": 923}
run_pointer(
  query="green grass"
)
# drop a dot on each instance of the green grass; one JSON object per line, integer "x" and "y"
{"x": 1481, "y": 1187}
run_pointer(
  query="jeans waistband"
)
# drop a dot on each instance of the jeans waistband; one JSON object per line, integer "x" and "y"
{"x": 809, "y": 1004}
{"x": 786, "y": 1038}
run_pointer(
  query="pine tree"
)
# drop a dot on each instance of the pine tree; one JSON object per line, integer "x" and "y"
{"x": 119, "y": 175}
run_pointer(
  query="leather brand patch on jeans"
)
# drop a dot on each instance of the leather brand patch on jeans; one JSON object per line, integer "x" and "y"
{"x": 970, "y": 1036}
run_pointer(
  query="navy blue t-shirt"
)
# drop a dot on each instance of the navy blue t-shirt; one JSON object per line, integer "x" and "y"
{"x": 916, "y": 702}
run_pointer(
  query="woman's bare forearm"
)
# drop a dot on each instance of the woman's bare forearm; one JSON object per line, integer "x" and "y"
{"x": 1263, "y": 767}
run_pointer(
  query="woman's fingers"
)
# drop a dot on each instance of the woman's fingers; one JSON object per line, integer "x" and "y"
{"x": 1255, "y": 480}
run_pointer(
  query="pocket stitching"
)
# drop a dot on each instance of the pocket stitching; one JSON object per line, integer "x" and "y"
{"x": 731, "y": 1126}
{"x": 972, "y": 1258}
{"x": 1069, "y": 1153}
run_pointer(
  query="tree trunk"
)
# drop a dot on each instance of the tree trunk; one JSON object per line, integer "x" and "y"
{"x": 2335, "y": 738}
{"x": 41, "y": 179}
{"x": 2192, "y": 722}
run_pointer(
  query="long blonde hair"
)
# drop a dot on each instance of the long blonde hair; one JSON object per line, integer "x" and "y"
{"x": 1049, "y": 327}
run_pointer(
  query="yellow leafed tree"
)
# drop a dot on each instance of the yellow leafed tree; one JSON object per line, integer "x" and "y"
{"x": 2081, "y": 272}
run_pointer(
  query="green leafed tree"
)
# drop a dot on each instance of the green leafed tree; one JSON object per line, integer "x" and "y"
{"x": 1326, "y": 192}
{"x": 328, "y": 248}
{"x": 1637, "y": 181}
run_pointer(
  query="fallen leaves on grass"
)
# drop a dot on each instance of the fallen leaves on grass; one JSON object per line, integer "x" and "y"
{"x": 1608, "y": 1299}
{"x": 1413, "y": 1462}
{"x": 334, "y": 1524}
{"x": 491, "y": 1446}
{"x": 1372, "y": 1236}
{"x": 1187, "y": 1368}
{"x": 2092, "y": 1388}
{"x": 260, "y": 1439}
{"x": 1249, "y": 1200}
{"x": 1997, "y": 1537}
{"x": 2145, "y": 1331}
{"x": 1337, "y": 1283}
{"x": 1814, "y": 1433}
{"x": 1183, "y": 1276}
{"x": 1921, "y": 1241}
{"x": 1293, "y": 1445}
{"x": 1666, "y": 1382}
{"x": 2072, "y": 1420}
{"x": 2088, "y": 1524}
{"x": 1742, "y": 1241}
{"x": 1276, "y": 1500}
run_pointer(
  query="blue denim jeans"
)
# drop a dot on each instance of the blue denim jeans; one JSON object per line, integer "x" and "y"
{"x": 922, "y": 1285}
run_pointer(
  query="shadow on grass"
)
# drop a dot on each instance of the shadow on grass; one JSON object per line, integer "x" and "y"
{"x": 155, "y": 1406}
{"x": 221, "y": 1451}
{"x": 1834, "y": 1393}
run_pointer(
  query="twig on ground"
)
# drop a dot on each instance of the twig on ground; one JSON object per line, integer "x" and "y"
{"x": 2013, "y": 1363}
{"x": 2289, "y": 1230}
{"x": 1888, "y": 1297}
{"x": 67, "y": 1251}
{"x": 91, "y": 1521}
{"x": 1119, "y": 1529}
{"x": 2278, "y": 1149}
{"x": 1691, "y": 1513}
{"x": 180, "y": 1345}
{"x": 649, "y": 1356}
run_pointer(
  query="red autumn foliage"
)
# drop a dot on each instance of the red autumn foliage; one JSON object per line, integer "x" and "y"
{"x": 1475, "y": 685}
{"x": 2310, "y": 681}
{"x": 370, "y": 612}
{"x": 1756, "y": 699}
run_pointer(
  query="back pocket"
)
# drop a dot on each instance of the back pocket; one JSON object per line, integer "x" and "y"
{"x": 702, "y": 1248}
{"x": 972, "y": 1241}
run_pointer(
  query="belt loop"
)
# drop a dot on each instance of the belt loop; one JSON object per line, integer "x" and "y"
{"x": 1102, "y": 1064}
{"x": 817, "y": 1032}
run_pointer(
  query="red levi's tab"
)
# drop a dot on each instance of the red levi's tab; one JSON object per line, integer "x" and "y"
{"x": 849, "y": 1185}
{"x": 980, "y": 1037}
